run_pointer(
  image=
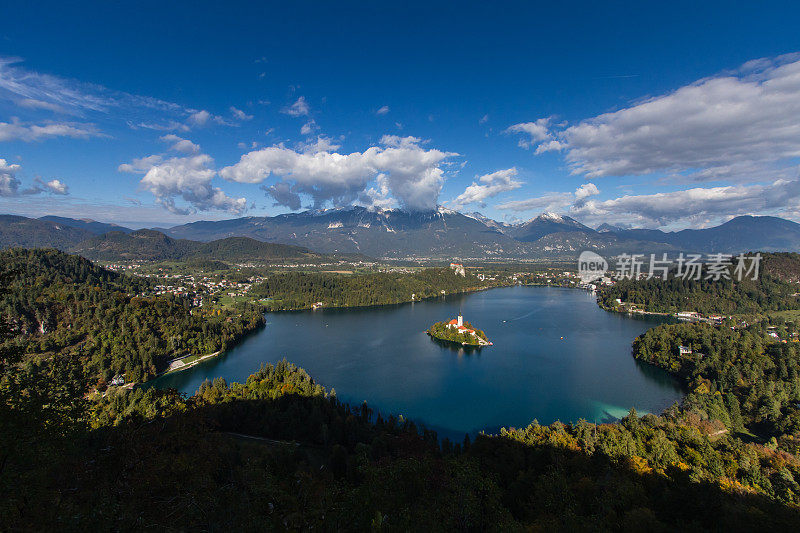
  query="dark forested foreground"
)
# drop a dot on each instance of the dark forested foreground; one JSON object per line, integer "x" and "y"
{"x": 280, "y": 452}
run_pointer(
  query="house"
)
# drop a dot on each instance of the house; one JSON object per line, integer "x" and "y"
{"x": 458, "y": 268}
{"x": 684, "y": 350}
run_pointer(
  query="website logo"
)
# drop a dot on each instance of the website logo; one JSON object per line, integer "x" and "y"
{"x": 591, "y": 266}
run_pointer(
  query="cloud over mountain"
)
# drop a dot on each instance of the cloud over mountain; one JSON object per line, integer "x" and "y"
{"x": 694, "y": 205}
{"x": 188, "y": 178}
{"x": 412, "y": 174}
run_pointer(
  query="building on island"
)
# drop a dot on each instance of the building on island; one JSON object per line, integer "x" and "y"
{"x": 459, "y": 331}
{"x": 458, "y": 323}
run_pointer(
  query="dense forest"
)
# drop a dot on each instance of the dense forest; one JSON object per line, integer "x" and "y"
{"x": 297, "y": 290}
{"x": 58, "y": 303}
{"x": 774, "y": 290}
{"x": 442, "y": 331}
{"x": 282, "y": 452}
{"x": 745, "y": 378}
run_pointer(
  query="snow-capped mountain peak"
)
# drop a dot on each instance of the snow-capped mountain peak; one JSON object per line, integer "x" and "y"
{"x": 550, "y": 216}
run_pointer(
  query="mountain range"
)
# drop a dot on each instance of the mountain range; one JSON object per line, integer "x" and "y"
{"x": 391, "y": 234}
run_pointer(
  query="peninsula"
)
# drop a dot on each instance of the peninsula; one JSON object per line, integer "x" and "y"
{"x": 458, "y": 331}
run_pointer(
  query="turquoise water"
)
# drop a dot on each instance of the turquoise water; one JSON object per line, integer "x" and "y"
{"x": 382, "y": 356}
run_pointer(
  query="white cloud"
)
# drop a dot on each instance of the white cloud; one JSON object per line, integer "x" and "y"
{"x": 56, "y": 187}
{"x": 378, "y": 196}
{"x": 322, "y": 144}
{"x": 484, "y": 119}
{"x": 165, "y": 126}
{"x": 32, "y": 89}
{"x": 200, "y": 118}
{"x": 550, "y": 146}
{"x": 309, "y": 128}
{"x": 188, "y": 178}
{"x": 553, "y": 201}
{"x": 238, "y": 114}
{"x": 142, "y": 164}
{"x": 411, "y": 173}
{"x": 737, "y": 125}
{"x": 488, "y": 186}
{"x": 20, "y": 131}
{"x": 585, "y": 191}
{"x": 10, "y": 184}
{"x": 32, "y": 103}
{"x": 298, "y": 109}
{"x": 181, "y": 145}
{"x": 537, "y": 131}
{"x": 697, "y": 205}
{"x": 382, "y": 110}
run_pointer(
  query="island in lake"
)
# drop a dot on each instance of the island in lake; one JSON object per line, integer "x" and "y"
{"x": 458, "y": 331}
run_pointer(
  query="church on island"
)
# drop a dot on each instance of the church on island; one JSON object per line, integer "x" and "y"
{"x": 456, "y": 325}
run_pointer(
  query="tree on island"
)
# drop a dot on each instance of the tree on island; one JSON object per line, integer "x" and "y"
{"x": 447, "y": 331}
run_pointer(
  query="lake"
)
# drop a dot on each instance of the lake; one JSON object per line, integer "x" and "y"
{"x": 556, "y": 356}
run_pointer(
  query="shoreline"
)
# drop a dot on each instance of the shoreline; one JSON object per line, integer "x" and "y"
{"x": 471, "y": 345}
{"x": 387, "y": 304}
{"x": 184, "y": 366}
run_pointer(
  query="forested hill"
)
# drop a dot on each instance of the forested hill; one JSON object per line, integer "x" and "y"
{"x": 55, "y": 303}
{"x": 37, "y": 233}
{"x": 775, "y": 289}
{"x": 151, "y": 245}
{"x": 281, "y": 452}
{"x": 295, "y": 290}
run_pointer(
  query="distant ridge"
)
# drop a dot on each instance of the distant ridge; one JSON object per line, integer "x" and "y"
{"x": 398, "y": 234}
{"x": 153, "y": 245}
{"x": 740, "y": 234}
{"x": 36, "y": 233}
{"x": 545, "y": 224}
{"x": 98, "y": 228}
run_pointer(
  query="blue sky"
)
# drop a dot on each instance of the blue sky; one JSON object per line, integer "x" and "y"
{"x": 665, "y": 116}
